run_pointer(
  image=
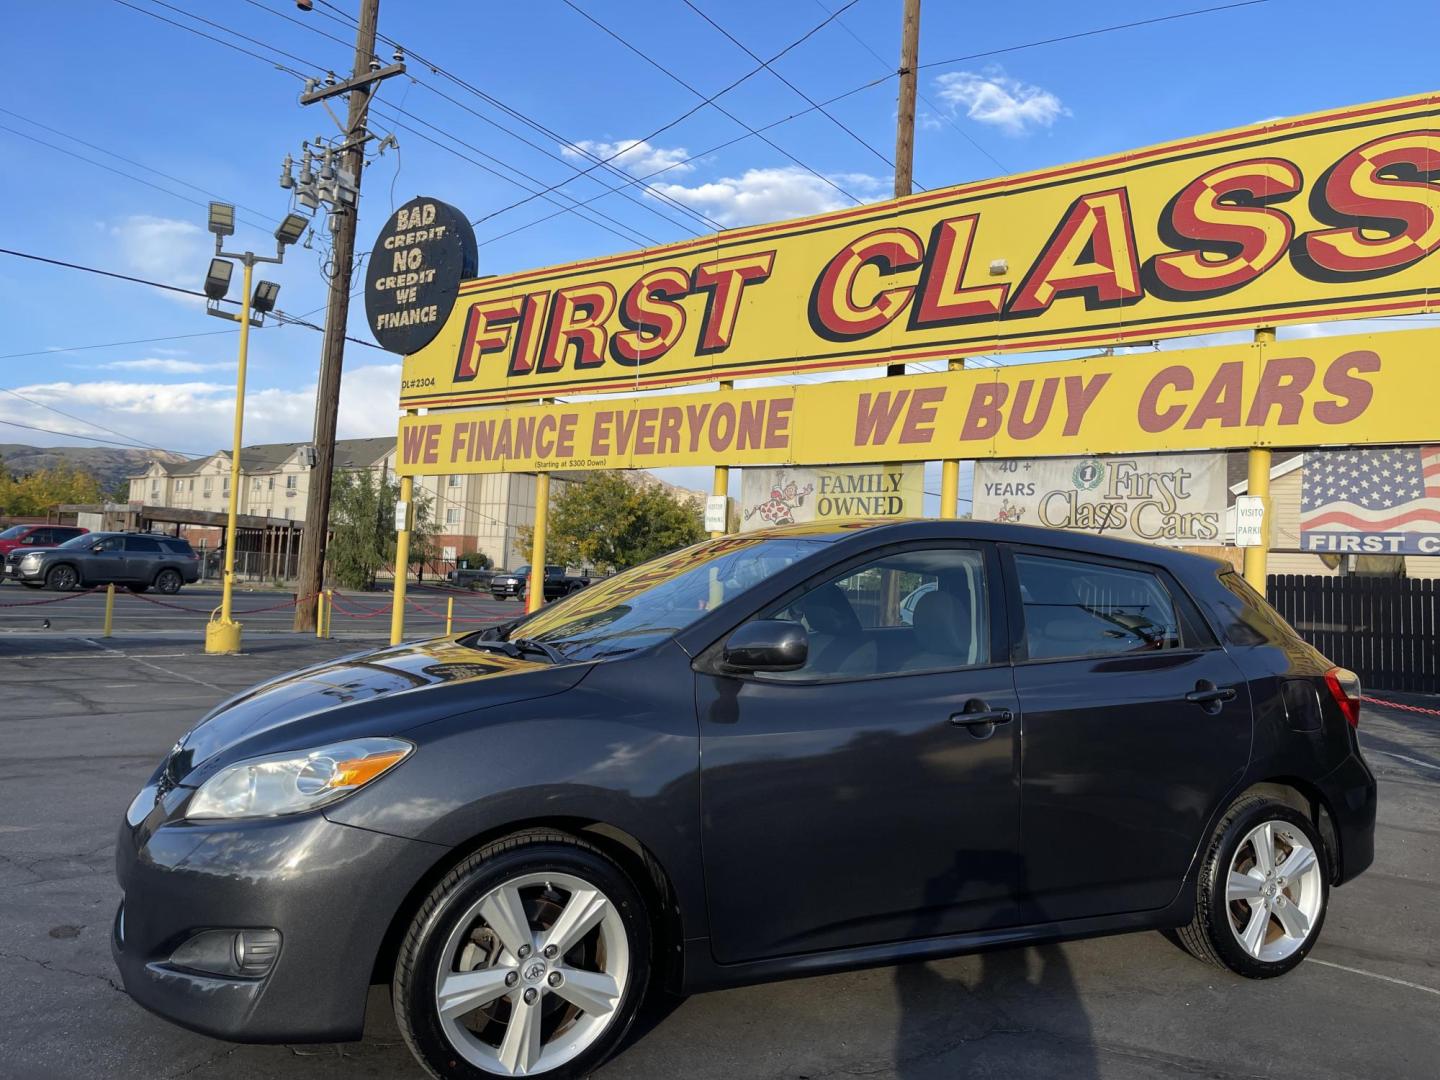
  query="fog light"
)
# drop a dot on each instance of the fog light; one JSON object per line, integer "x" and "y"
{"x": 247, "y": 954}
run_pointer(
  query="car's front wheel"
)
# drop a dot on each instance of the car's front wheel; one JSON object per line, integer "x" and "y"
{"x": 530, "y": 958}
{"x": 1263, "y": 891}
{"x": 62, "y": 579}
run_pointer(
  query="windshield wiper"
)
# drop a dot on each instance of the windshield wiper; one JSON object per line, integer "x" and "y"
{"x": 525, "y": 644}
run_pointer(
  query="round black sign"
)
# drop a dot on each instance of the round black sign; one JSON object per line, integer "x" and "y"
{"x": 425, "y": 251}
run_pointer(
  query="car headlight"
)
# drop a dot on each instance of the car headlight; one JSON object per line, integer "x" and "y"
{"x": 30, "y": 560}
{"x": 297, "y": 780}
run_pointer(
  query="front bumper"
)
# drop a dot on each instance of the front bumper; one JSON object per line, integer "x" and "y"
{"x": 331, "y": 890}
{"x": 14, "y": 571}
{"x": 507, "y": 588}
{"x": 1350, "y": 792}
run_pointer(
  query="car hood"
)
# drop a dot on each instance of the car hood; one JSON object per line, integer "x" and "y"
{"x": 384, "y": 692}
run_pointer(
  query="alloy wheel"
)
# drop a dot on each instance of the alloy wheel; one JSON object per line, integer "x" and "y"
{"x": 1275, "y": 891}
{"x": 533, "y": 974}
{"x": 62, "y": 579}
{"x": 168, "y": 581}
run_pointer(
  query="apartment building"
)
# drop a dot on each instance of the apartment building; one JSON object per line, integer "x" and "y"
{"x": 470, "y": 513}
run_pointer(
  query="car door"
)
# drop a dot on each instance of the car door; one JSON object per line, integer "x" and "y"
{"x": 104, "y": 563}
{"x": 1136, "y": 724}
{"x": 142, "y": 559}
{"x": 865, "y": 798}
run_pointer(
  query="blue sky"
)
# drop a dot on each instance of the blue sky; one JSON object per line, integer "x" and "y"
{"x": 130, "y": 85}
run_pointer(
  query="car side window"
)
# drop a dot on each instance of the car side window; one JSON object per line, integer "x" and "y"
{"x": 142, "y": 544}
{"x": 922, "y": 610}
{"x": 110, "y": 543}
{"x": 1075, "y": 608}
{"x": 37, "y": 537}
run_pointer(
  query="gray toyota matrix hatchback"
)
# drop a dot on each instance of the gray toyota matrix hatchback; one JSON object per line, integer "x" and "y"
{"x": 793, "y": 751}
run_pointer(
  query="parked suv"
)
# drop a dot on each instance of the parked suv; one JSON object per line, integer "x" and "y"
{"x": 136, "y": 560}
{"x": 508, "y": 583}
{"x": 36, "y": 536}
{"x": 740, "y": 762}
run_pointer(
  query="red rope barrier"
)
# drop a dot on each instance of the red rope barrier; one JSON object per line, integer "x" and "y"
{"x": 207, "y": 610}
{"x": 52, "y": 599}
{"x": 1400, "y": 705}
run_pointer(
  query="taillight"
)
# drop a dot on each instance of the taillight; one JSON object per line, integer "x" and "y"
{"x": 1344, "y": 687}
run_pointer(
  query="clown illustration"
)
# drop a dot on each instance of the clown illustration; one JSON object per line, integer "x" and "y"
{"x": 780, "y": 508}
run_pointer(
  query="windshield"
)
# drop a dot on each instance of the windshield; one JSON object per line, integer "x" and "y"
{"x": 653, "y": 601}
{"x": 12, "y": 532}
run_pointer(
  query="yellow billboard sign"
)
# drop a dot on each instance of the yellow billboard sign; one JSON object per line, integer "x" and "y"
{"x": 1374, "y": 388}
{"x": 1328, "y": 216}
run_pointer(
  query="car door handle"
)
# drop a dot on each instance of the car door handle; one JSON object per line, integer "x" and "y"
{"x": 1205, "y": 695}
{"x": 979, "y": 720}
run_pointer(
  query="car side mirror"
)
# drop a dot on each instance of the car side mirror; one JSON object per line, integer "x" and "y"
{"x": 98, "y": 547}
{"x": 767, "y": 645}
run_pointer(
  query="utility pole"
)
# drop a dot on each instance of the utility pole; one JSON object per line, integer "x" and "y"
{"x": 905, "y": 114}
{"x": 337, "y": 314}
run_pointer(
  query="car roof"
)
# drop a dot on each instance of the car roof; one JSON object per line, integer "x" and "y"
{"x": 898, "y": 530}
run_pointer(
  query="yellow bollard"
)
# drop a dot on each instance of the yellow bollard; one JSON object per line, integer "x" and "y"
{"x": 320, "y": 615}
{"x": 449, "y": 614}
{"x": 109, "y": 608}
{"x": 329, "y": 610}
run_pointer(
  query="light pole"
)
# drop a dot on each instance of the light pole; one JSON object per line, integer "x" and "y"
{"x": 222, "y": 634}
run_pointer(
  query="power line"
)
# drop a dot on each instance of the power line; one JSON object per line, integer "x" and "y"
{"x": 211, "y": 37}
{"x": 96, "y": 438}
{"x": 807, "y": 98}
{"x": 350, "y": 45}
{"x": 1094, "y": 33}
{"x": 130, "y": 161}
{"x": 711, "y": 100}
{"x": 111, "y": 344}
{"x": 684, "y": 161}
{"x": 633, "y": 233}
{"x": 233, "y": 32}
{"x": 933, "y": 107}
{"x": 280, "y": 316}
{"x": 80, "y": 419}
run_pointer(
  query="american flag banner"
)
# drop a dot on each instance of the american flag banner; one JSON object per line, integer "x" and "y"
{"x": 1373, "y": 501}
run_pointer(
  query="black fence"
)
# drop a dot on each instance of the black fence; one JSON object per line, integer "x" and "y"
{"x": 1383, "y": 629}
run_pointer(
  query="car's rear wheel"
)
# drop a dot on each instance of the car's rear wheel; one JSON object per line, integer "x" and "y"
{"x": 530, "y": 958}
{"x": 1263, "y": 891}
{"x": 62, "y": 579}
{"x": 168, "y": 581}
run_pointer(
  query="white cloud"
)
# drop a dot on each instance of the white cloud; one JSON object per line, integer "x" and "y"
{"x": 770, "y": 194}
{"x": 164, "y": 249}
{"x": 997, "y": 99}
{"x": 195, "y": 416}
{"x": 635, "y": 156}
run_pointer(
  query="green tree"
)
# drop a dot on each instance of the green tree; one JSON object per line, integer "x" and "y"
{"x": 362, "y": 527}
{"x": 43, "y": 490}
{"x": 611, "y": 523}
{"x": 475, "y": 560}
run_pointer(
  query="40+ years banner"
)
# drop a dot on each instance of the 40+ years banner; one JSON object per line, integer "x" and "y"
{"x": 1338, "y": 391}
{"x": 1327, "y": 216}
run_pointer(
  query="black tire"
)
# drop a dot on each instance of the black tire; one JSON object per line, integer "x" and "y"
{"x": 1209, "y": 935}
{"x": 422, "y": 954}
{"x": 62, "y": 578}
{"x": 168, "y": 582}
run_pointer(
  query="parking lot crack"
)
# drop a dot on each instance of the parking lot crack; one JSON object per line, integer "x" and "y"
{"x": 50, "y": 965}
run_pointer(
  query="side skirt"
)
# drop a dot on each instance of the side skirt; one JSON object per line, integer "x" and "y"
{"x": 702, "y": 973}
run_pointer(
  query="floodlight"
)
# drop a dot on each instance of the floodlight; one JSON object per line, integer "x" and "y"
{"x": 264, "y": 298}
{"x": 217, "y": 279}
{"x": 222, "y": 219}
{"x": 291, "y": 229}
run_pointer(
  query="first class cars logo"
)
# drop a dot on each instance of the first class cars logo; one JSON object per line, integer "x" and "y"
{"x": 1321, "y": 217}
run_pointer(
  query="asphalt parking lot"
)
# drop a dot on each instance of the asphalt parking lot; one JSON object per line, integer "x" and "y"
{"x": 84, "y": 721}
{"x": 261, "y": 611}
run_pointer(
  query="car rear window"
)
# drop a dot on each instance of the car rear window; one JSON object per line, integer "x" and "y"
{"x": 1074, "y": 608}
{"x": 60, "y": 535}
{"x": 180, "y": 547}
{"x": 143, "y": 544}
